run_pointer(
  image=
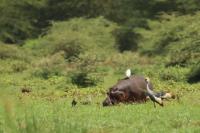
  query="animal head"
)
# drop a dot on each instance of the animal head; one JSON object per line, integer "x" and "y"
{"x": 107, "y": 102}
{"x": 114, "y": 96}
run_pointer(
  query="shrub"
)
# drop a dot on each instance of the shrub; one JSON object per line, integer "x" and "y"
{"x": 77, "y": 36}
{"x": 194, "y": 74}
{"x": 10, "y": 51}
{"x": 72, "y": 48}
{"x": 13, "y": 52}
{"x": 126, "y": 39}
{"x": 176, "y": 74}
{"x": 176, "y": 36}
{"x": 179, "y": 58}
{"x": 87, "y": 79}
{"x": 82, "y": 79}
{"x": 19, "y": 66}
{"x": 88, "y": 72}
{"x": 15, "y": 29}
{"x": 50, "y": 66}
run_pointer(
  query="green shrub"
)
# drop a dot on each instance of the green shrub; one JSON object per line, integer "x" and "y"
{"x": 174, "y": 36}
{"x": 179, "y": 59}
{"x": 72, "y": 49}
{"x": 82, "y": 79}
{"x": 14, "y": 53}
{"x": 87, "y": 79}
{"x": 46, "y": 73}
{"x": 20, "y": 20}
{"x": 77, "y": 36}
{"x": 88, "y": 71}
{"x": 176, "y": 74}
{"x": 9, "y": 51}
{"x": 19, "y": 66}
{"x": 126, "y": 39}
{"x": 50, "y": 66}
{"x": 194, "y": 74}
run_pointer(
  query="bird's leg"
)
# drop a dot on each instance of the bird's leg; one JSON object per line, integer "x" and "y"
{"x": 154, "y": 104}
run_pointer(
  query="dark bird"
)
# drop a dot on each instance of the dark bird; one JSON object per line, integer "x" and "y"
{"x": 74, "y": 102}
{"x": 25, "y": 90}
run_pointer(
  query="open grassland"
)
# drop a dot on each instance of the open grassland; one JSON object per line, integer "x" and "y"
{"x": 83, "y": 57}
{"x": 47, "y": 108}
{"x": 30, "y": 113}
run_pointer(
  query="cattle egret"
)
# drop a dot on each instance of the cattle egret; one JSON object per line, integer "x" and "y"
{"x": 152, "y": 95}
{"x": 128, "y": 73}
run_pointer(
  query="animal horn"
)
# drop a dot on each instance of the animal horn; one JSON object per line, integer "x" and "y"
{"x": 152, "y": 95}
{"x": 118, "y": 93}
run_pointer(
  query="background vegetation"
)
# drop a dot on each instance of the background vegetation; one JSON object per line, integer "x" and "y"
{"x": 64, "y": 49}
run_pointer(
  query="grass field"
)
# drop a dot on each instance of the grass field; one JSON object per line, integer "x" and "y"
{"x": 54, "y": 80}
{"x": 47, "y": 108}
{"x": 52, "y": 52}
{"x": 27, "y": 113}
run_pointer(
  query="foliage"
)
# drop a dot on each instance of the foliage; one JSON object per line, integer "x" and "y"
{"x": 12, "y": 52}
{"x": 90, "y": 44}
{"x": 174, "y": 36}
{"x": 185, "y": 6}
{"x": 20, "y": 66}
{"x": 83, "y": 79}
{"x": 87, "y": 72}
{"x": 19, "y": 20}
{"x": 36, "y": 15}
{"x": 50, "y": 66}
{"x": 194, "y": 74}
{"x": 126, "y": 39}
{"x": 76, "y": 37}
{"x": 175, "y": 74}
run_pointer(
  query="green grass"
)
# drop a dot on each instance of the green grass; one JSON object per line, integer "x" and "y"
{"x": 47, "y": 109}
{"x": 167, "y": 53}
{"x": 26, "y": 113}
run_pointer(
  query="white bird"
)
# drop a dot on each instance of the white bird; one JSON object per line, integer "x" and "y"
{"x": 128, "y": 73}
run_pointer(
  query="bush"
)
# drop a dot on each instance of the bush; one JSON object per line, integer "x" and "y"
{"x": 88, "y": 72}
{"x": 176, "y": 74}
{"x": 77, "y": 36}
{"x": 8, "y": 51}
{"x": 175, "y": 36}
{"x": 84, "y": 79}
{"x": 71, "y": 48}
{"x": 126, "y": 39}
{"x": 21, "y": 20}
{"x": 50, "y": 66}
{"x": 179, "y": 59}
{"x": 19, "y": 66}
{"x": 194, "y": 74}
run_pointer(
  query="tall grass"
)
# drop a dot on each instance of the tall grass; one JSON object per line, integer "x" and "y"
{"x": 28, "y": 115}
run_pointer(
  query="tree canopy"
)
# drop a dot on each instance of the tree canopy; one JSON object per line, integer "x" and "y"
{"x": 24, "y": 19}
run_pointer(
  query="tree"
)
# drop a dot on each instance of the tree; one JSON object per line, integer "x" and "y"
{"x": 19, "y": 20}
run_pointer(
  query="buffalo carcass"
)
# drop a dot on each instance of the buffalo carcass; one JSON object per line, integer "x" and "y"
{"x": 129, "y": 90}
